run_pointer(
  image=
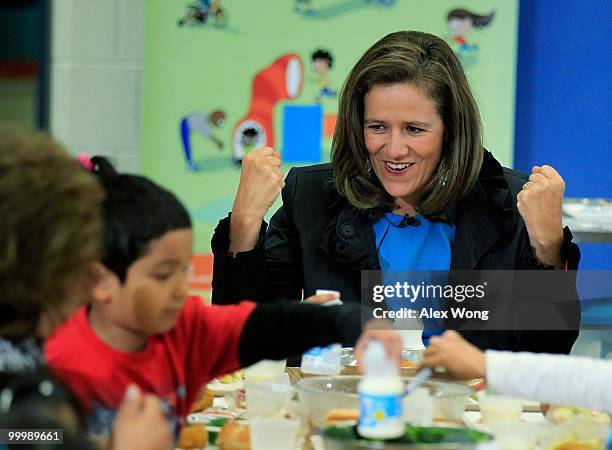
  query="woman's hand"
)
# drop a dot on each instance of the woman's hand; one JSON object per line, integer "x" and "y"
{"x": 382, "y": 331}
{"x": 461, "y": 359}
{"x": 140, "y": 423}
{"x": 540, "y": 203}
{"x": 261, "y": 182}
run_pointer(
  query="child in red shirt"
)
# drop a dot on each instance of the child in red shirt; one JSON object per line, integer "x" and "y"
{"x": 141, "y": 327}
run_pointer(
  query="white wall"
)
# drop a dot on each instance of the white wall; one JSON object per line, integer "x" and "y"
{"x": 97, "y": 51}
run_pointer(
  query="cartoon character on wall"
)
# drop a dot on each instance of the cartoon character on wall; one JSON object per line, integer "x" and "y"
{"x": 204, "y": 11}
{"x": 323, "y": 61}
{"x": 304, "y": 7}
{"x": 281, "y": 80}
{"x": 460, "y": 23}
{"x": 250, "y": 139}
{"x": 383, "y": 2}
{"x": 202, "y": 124}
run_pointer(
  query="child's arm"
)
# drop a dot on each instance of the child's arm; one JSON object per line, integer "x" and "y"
{"x": 551, "y": 378}
{"x": 280, "y": 330}
{"x": 534, "y": 376}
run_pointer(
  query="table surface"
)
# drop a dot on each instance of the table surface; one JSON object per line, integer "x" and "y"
{"x": 471, "y": 417}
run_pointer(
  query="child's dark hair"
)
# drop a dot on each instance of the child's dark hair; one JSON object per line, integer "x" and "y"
{"x": 323, "y": 54}
{"x": 36, "y": 400}
{"x": 136, "y": 211}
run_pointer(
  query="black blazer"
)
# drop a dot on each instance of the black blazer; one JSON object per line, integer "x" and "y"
{"x": 317, "y": 240}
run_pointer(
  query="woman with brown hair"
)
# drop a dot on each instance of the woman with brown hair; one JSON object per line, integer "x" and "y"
{"x": 50, "y": 235}
{"x": 409, "y": 187}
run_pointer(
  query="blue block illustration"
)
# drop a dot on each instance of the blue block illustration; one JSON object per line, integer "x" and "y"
{"x": 302, "y": 133}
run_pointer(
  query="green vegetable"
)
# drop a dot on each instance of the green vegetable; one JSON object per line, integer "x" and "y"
{"x": 215, "y": 423}
{"x": 416, "y": 435}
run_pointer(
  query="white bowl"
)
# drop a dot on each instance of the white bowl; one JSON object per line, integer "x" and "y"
{"x": 319, "y": 395}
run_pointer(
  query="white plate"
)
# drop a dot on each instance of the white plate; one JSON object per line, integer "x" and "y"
{"x": 220, "y": 389}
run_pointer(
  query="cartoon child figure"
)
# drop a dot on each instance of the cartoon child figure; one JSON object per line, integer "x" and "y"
{"x": 383, "y": 2}
{"x": 460, "y": 23}
{"x": 203, "y": 6}
{"x": 304, "y": 7}
{"x": 204, "y": 11}
{"x": 196, "y": 13}
{"x": 249, "y": 141}
{"x": 202, "y": 124}
{"x": 323, "y": 61}
{"x": 217, "y": 14}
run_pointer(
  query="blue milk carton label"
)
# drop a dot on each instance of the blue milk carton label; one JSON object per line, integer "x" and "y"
{"x": 375, "y": 410}
{"x": 314, "y": 351}
{"x": 331, "y": 354}
{"x": 322, "y": 360}
{"x": 326, "y": 355}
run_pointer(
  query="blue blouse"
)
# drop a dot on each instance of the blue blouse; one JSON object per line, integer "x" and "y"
{"x": 421, "y": 246}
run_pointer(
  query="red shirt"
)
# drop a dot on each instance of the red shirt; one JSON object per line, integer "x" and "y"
{"x": 175, "y": 365}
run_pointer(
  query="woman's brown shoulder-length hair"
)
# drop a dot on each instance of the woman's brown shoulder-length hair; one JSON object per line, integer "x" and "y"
{"x": 428, "y": 62}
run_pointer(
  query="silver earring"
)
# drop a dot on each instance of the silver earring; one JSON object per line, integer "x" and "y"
{"x": 368, "y": 166}
{"x": 444, "y": 179}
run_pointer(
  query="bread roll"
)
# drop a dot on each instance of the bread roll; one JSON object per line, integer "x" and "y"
{"x": 234, "y": 436}
{"x": 193, "y": 437}
{"x": 205, "y": 400}
{"x": 338, "y": 415}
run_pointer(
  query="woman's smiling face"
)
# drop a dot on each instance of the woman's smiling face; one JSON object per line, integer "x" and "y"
{"x": 403, "y": 134}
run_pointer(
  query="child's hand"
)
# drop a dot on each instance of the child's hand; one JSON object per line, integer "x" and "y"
{"x": 382, "y": 331}
{"x": 140, "y": 423}
{"x": 321, "y": 299}
{"x": 462, "y": 360}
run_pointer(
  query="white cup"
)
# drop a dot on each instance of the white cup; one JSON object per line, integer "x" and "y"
{"x": 499, "y": 408}
{"x": 266, "y": 371}
{"x": 267, "y": 399}
{"x": 518, "y": 435}
{"x": 273, "y": 434}
{"x": 317, "y": 442}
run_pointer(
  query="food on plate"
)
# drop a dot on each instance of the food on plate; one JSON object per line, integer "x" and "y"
{"x": 340, "y": 415}
{"x": 205, "y": 401}
{"x": 227, "y": 383}
{"x": 413, "y": 435}
{"x": 193, "y": 437}
{"x": 573, "y": 444}
{"x": 562, "y": 414}
{"x": 232, "y": 377}
{"x": 234, "y": 436}
{"x": 213, "y": 426}
{"x": 477, "y": 384}
{"x": 235, "y": 377}
{"x": 226, "y": 379}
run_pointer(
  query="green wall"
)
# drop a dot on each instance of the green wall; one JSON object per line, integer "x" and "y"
{"x": 203, "y": 68}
